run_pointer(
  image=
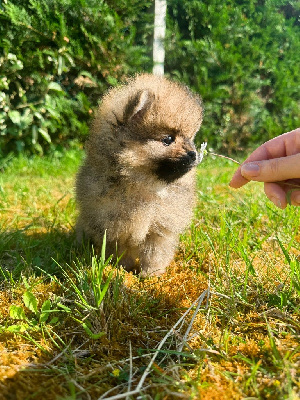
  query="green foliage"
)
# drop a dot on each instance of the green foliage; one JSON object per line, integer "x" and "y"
{"x": 56, "y": 59}
{"x": 38, "y": 316}
{"x": 243, "y": 58}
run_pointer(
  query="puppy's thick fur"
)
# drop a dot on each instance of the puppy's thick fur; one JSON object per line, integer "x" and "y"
{"x": 138, "y": 179}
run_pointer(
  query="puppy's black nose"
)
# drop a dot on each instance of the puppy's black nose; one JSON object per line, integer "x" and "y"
{"x": 192, "y": 155}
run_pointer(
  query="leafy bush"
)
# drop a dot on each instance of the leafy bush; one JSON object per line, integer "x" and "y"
{"x": 243, "y": 57}
{"x": 36, "y": 111}
{"x": 56, "y": 59}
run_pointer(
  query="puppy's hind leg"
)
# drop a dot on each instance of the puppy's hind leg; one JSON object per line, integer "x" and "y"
{"x": 129, "y": 258}
{"x": 80, "y": 235}
{"x": 157, "y": 253}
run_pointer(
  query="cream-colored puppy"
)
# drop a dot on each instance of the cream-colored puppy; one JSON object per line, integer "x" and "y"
{"x": 138, "y": 179}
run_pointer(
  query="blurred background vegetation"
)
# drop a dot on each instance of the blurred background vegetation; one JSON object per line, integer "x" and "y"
{"x": 57, "y": 57}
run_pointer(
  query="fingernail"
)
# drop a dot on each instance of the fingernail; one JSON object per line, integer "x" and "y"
{"x": 250, "y": 169}
{"x": 276, "y": 201}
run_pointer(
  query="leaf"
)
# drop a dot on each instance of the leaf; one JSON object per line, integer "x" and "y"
{"x": 89, "y": 75}
{"x": 53, "y": 320}
{"x": 45, "y": 134}
{"x": 15, "y": 116}
{"x": 65, "y": 308}
{"x": 34, "y": 131}
{"x": 30, "y": 301}
{"x": 103, "y": 249}
{"x": 46, "y": 305}
{"x": 17, "y": 328}
{"x": 17, "y": 312}
{"x": 112, "y": 80}
{"x": 38, "y": 115}
{"x": 45, "y": 310}
{"x": 285, "y": 252}
{"x": 92, "y": 335}
{"x": 61, "y": 65}
{"x": 105, "y": 288}
{"x": 55, "y": 86}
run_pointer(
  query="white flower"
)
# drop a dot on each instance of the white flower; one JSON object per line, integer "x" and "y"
{"x": 202, "y": 151}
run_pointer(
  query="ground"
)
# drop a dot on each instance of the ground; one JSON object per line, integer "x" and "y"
{"x": 221, "y": 323}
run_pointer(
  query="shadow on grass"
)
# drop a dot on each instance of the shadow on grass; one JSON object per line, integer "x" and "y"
{"x": 24, "y": 250}
{"x": 81, "y": 367}
{"x": 27, "y": 253}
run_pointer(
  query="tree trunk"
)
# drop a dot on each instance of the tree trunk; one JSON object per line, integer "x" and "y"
{"x": 159, "y": 36}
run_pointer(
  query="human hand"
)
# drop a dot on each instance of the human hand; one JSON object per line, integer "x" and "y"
{"x": 277, "y": 164}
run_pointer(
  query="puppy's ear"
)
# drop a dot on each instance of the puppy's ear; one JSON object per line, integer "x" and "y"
{"x": 137, "y": 106}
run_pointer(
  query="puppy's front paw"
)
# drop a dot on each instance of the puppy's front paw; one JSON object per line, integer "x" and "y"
{"x": 152, "y": 271}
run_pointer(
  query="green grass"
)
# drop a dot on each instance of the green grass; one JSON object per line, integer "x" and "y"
{"x": 222, "y": 323}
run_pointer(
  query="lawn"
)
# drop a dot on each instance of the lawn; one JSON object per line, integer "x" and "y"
{"x": 221, "y": 323}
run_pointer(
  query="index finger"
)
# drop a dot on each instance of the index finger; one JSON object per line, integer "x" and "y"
{"x": 281, "y": 146}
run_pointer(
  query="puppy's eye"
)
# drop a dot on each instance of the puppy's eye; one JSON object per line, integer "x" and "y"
{"x": 168, "y": 140}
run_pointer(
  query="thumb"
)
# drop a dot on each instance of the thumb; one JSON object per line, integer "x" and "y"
{"x": 273, "y": 170}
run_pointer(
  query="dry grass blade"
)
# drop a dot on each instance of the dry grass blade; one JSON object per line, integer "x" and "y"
{"x": 200, "y": 301}
{"x": 142, "y": 380}
{"x": 130, "y": 367}
{"x": 139, "y": 386}
{"x": 227, "y": 158}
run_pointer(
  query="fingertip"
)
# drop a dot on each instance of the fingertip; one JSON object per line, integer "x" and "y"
{"x": 295, "y": 198}
{"x": 280, "y": 203}
{"x": 234, "y": 179}
{"x": 276, "y": 194}
{"x": 237, "y": 180}
{"x": 233, "y": 184}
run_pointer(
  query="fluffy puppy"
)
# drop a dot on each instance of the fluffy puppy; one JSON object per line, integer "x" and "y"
{"x": 138, "y": 178}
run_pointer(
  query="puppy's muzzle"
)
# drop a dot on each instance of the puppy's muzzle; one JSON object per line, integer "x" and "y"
{"x": 170, "y": 169}
{"x": 192, "y": 155}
